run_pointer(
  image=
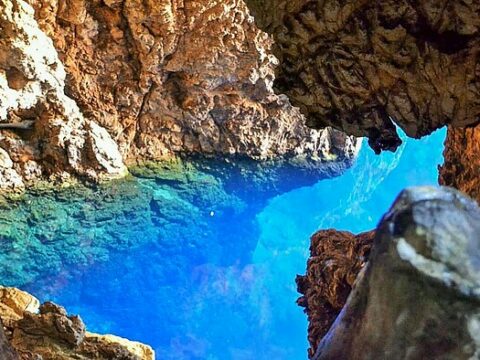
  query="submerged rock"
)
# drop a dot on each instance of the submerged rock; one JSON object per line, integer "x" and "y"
{"x": 47, "y": 332}
{"x": 336, "y": 258}
{"x": 364, "y": 66}
{"x": 419, "y": 295}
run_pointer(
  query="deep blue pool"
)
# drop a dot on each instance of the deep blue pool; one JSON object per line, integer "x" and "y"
{"x": 191, "y": 266}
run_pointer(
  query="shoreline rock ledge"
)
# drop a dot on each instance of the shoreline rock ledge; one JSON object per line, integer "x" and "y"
{"x": 34, "y": 331}
{"x": 419, "y": 295}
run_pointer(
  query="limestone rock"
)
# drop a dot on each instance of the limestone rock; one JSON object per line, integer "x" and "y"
{"x": 47, "y": 332}
{"x": 336, "y": 258}
{"x": 461, "y": 169}
{"x": 361, "y": 66}
{"x": 86, "y": 85}
{"x": 422, "y": 281}
{"x": 14, "y": 303}
{"x": 9, "y": 177}
{"x": 42, "y": 130}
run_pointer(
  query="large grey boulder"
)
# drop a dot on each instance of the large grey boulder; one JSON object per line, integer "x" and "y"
{"x": 419, "y": 296}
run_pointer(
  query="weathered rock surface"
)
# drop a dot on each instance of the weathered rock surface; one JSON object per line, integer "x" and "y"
{"x": 43, "y": 133}
{"x": 47, "y": 332}
{"x": 6, "y": 350}
{"x": 422, "y": 280}
{"x": 461, "y": 169}
{"x": 361, "y": 66}
{"x": 131, "y": 81}
{"x": 336, "y": 258}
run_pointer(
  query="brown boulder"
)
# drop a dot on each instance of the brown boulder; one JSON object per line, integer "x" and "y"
{"x": 336, "y": 258}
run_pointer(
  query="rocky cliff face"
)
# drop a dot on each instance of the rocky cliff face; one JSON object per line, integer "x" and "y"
{"x": 46, "y": 332}
{"x": 363, "y": 66}
{"x": 88, "y": 85}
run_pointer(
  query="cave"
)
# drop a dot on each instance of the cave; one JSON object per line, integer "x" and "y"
{"x": 229, "y": 179}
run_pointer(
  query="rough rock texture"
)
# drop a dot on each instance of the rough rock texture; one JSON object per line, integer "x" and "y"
{"x": 361, "y": 66}
{"x": 42, "y": 131}
{"x": 138, "y": 80}
{"x": 188, "y": 76}
{"x": 461, "y": 169}
{"x": 6, "y": 350}
{"x": 47, "y": 332}
{"x": 426, "y": 252}
{"x": 336, "y": 258}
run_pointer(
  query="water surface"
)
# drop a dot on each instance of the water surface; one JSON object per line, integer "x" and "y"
{"x": 198, "y": 264}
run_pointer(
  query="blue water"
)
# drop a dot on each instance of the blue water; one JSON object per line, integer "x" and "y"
{"x": 192, "y": 268}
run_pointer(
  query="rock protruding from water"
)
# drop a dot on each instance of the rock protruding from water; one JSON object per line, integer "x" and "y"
{"x": 419, "y": 296}
{"x": 336, "y": 258}
{"x": 47, "y": 332}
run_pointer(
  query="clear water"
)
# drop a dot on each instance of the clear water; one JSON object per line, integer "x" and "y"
{"x": 197, "y": 265}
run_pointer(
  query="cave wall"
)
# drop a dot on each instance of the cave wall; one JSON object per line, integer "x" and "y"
{"x": 166, "y": 77}
{"x": 363, "y": 66}
{"x": 128, "y": 81}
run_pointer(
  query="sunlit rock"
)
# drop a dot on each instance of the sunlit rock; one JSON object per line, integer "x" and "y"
{"x": 169, "y": 77}
{"x": 46, "y": 331}
{"x": 419, "y": 296}
{"x": 42, "y": 130}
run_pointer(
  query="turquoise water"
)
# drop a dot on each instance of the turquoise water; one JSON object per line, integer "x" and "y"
{"x": 198, "y": 264}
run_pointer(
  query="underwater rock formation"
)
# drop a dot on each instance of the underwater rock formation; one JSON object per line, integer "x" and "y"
{"x": 461, "y": 168}
{"x": 426, "y": 252}
{"x": 336, "y": 258}
{"x": 45, "y": 232}
{"x": 88, "y": 85}
{"x": 363, "y": 66}
{"x": 47, "y": 332}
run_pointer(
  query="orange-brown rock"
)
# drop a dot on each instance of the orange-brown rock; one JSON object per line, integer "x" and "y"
{"x": 461, "y": 168}
{"x": 361, "y": 66}
{"x": 47, "y": 332}
{"x": 336, "y": 258}
{"x": 126, "y": 81}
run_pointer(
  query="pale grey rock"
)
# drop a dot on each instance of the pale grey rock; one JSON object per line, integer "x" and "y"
{"x": 419, "y": 296}
{"x": 9, "y": 178}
